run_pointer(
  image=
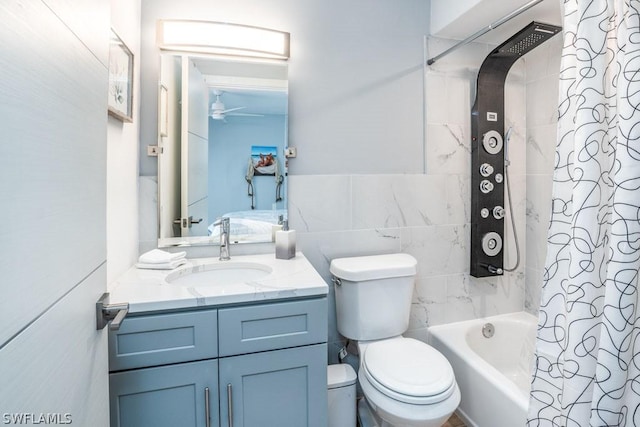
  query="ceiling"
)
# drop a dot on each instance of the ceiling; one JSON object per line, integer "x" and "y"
{"x": 259, "y": 87}
{"x": 255, "y": 101}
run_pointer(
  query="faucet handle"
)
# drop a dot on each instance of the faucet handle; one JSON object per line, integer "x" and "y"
{"x": 221, "y": 220}
{"x": 224, "y": 223}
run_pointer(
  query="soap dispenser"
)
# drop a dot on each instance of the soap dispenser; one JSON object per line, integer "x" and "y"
{"x": 276, "y": 227}
{"x": 285, "y": 242}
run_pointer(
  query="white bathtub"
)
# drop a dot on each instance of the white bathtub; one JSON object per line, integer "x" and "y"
{"x": 493, "y": 373}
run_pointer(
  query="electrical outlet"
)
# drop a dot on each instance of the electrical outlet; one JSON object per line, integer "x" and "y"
{"x": 153, "y": 150}
{"x": 342, "y": 353}
{"x": 290, "y": 152}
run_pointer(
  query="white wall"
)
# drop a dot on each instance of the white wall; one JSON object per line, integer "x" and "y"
{"x": 122, "y": 155}
{"x": 357, "y": 186}
{"x": 355, "y": 107}
{"x": 355, "y": 77}
{"x": 426, "y": 215}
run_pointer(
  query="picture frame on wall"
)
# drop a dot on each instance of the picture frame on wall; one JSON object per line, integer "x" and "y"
{"x": 264, "y": 160}
{"x": 120, "y": 101}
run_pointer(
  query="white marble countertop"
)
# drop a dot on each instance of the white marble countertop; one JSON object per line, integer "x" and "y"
{"x": 149, "y": 290}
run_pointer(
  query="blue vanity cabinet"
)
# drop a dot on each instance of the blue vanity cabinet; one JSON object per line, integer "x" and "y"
{"x": 184, "y": 395}
{"x": 255, "y": 365}
{"x": 164, "y": 370}
{"x": 273, "y": 365}
{"x": 283, "y": 388}
{"x": 162, "y": 339}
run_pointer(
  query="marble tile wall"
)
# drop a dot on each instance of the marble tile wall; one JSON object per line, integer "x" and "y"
{"x": 425, "y": 215}
{"x": 543, "y": 67}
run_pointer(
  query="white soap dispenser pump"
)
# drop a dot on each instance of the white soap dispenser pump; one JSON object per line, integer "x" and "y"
{"x": 285, "y": 242}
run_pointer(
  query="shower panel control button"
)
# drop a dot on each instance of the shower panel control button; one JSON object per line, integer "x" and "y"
{"x": 498, "y": 212}
{"x": 484, "y": 213}
{"x": 491, "y": 243}
{"x": 486, "y": 186}
{"x": 499, "y": 178}
{"x": 486, "y": 169}
{"x": 492, "y": 142}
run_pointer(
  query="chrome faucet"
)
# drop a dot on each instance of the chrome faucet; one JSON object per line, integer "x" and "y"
{"x": 225, "y": 227}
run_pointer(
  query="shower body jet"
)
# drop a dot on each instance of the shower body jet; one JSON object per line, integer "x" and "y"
{"x": 488, "y": 149}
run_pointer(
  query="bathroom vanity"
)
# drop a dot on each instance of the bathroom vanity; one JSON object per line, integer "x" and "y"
{"x": 240, "y": 343}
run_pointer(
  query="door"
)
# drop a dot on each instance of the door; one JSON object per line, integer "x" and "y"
{"x": 195, "y": 151}
{"x": 284, "y": 388}
{"x": 53, "y": 86}
{"x": 182, "y": 395}
{"x": 169, "y": 135}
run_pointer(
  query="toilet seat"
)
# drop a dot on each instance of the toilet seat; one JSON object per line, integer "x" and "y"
{"x": 408, "y": 370}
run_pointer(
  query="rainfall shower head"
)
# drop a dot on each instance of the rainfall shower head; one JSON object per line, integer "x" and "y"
{"x": 497, "y": 64}
{"x": 527, "y": 39}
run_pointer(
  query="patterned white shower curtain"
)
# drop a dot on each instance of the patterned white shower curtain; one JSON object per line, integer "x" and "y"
{"x": 587, "y": 366}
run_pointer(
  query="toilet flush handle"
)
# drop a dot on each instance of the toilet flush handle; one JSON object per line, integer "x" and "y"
{"x": 336, "y": 281}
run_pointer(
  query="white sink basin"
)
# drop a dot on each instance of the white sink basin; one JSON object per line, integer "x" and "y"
{"x": 219, "y": 274}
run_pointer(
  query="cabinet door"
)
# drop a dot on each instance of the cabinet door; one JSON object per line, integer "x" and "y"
{"x": 162, "y": 339}
{"x": 274, "y": 326}
{"x": 281, "y": 388}
{"x": 166, "y": 396}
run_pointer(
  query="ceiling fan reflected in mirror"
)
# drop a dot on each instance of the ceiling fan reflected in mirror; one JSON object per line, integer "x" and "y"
{"x": 219, "y": 111}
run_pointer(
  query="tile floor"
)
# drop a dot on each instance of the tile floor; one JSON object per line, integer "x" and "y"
{"x": 454, "y": 421}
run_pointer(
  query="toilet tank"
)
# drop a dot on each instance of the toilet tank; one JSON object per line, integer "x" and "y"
{"x": 373, "y": 295}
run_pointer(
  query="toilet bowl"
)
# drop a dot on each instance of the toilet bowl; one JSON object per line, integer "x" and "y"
{"x": 405, "y": 382}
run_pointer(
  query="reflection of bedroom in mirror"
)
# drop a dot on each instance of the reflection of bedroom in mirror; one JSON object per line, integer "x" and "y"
{"x": 222, "y": 152}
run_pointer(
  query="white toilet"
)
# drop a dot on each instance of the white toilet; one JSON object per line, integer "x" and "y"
{"x": 405, "y": 382}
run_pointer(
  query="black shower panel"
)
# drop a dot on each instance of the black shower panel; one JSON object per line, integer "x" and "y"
{"x": 488, "y": 147}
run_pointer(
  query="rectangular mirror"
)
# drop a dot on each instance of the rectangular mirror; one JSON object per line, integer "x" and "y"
{"x": 222, "y": 132}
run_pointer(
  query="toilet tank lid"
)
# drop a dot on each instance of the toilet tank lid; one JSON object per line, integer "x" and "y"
{"x": 340, "y": 375}
{"x": 373, "y": 267}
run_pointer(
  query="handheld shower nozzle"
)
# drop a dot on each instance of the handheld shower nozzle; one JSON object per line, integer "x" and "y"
{"x": 507, "y": 137}
{"x": 507, "y": 134}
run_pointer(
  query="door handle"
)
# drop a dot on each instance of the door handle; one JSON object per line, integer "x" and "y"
{"x": 111, "y": 314}
{"x": 187, "y": 222}
{"x": 230, "y": 404}
{"x": 207, "y": 414}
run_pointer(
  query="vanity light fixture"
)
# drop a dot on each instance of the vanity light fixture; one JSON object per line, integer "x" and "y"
{"x": 221, "y": 38}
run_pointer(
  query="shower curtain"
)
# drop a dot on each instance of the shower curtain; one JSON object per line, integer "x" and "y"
{"x": 587, "y": 364}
